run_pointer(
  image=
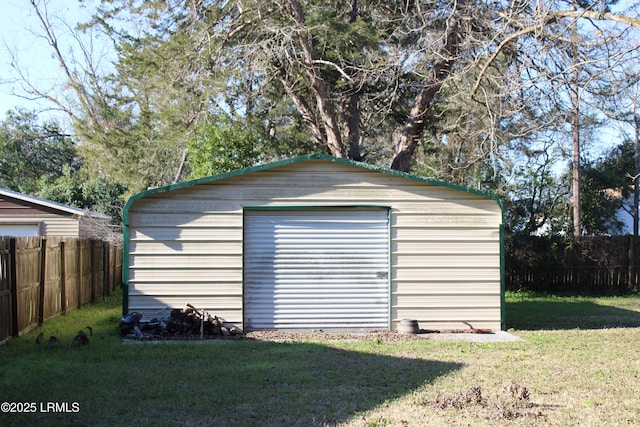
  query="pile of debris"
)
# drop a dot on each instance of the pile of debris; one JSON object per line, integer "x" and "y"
{"x": 189, "y": 323}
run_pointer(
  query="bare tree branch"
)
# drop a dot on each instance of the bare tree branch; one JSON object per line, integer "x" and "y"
{"x": 606, "y": 16}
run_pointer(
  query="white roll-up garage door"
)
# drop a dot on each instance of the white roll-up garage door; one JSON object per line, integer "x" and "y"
{"x": 316, "y": 269}
{"x": 20, "y": 230}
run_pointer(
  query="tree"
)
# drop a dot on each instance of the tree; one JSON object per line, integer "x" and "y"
{"x": 619, "y": 99}
{"x": 95, "y": 193}
{"x": 368, "y": 80}
{"x": 30, "y": 150}
{"x": 607, "y": 187}
{"x": 537, "y": 199}
{"x": 577, "y": 84}
{"x": 571, "y": 64}
{"x": 221, "y": 147}
{"x": 352, "y": 70}
{"x": 113, "y": 111}
{"x": 41, "y": 160}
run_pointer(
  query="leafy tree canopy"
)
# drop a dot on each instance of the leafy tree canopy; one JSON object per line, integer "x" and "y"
{"x": 39, "y": 159}
{"x": 607, "y": 185}
{"x": 30, "y": 150}
{"x": 93, "y": 193}
{"x": 221, "y": 147}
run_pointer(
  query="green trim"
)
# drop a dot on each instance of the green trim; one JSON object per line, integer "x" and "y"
{"x": 389, "y": 271}
{"x": 125, "y": 271}
{"x": 286, "y": 162}
{"x": 503, "y": 320}
{"x": 311, "y": 207}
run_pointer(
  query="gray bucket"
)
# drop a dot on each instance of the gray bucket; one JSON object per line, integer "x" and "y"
{"x": 408, "y": 326}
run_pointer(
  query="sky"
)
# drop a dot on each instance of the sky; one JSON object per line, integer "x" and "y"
{"x": 18, "y": 39}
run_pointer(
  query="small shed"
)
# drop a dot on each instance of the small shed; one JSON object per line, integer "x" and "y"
{"x": 25, "y": 216}
{"x": 317, "y": 243}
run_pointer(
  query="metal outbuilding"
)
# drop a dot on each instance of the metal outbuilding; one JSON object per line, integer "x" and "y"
{"x": 317, "y": 243}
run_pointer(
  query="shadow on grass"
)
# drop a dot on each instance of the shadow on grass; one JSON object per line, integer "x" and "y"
{"x": 302, "y": 384}
{"x": 213, "y": 383}
{"x": 217, "y": 383}
{"x": 567, "y": 313}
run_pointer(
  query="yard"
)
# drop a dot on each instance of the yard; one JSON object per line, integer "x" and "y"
{"x": 578, "y": 365}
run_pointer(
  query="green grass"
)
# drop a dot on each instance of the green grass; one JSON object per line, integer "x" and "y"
{"x": 572, "y": 369}
{"x": 526, "y": 311}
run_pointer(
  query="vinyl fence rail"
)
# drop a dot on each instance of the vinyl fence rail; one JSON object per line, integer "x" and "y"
{"x": 43, "y": 278}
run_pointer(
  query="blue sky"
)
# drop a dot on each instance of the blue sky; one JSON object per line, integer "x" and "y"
{"x": 18, "y": 39}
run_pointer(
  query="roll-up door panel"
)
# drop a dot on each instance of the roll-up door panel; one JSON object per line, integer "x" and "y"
{"x": 316, "y": 269}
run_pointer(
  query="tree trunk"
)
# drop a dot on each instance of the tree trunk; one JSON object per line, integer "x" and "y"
{"x": 575, "y": 123}
{"x": 351, "y": 114}
{"x": 324, "y": 103}
{"x": 350, "y": 107}
{"x": 577, "y": 221}
{"x": 407, "y": 140}
{"x": 305, "y": 110}
{"x": 636, "y": 175}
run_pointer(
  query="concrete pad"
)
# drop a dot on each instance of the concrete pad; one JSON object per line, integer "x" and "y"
{"x": 499, "y": 336}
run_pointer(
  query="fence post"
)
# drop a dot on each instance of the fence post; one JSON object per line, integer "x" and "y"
{"x": 13, "y": 285}
{"x": 92, "y": 267}
{"x": 43, "y": 279}
{"x": 631, "y": 273}
{"x": 63, "y": 279}
{"x": 106, "y": 270}
{"x": 80, "y": 270}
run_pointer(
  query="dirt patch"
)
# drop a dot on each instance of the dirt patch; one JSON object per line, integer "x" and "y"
{"x": 382, "y": 335}
{"x": 513, "y": 403}
{"x": 193, "y": 324}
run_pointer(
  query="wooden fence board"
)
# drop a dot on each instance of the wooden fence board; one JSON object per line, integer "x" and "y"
{"x": 592, "y": 264}
{"x": 5, "y": 291}
{"x": 53, "y": 282}
{"x": 42, "y": 278}
{"x": 27, "y": 255}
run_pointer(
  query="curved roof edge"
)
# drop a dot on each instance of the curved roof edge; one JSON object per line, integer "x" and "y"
{"x": 292, "y": 160}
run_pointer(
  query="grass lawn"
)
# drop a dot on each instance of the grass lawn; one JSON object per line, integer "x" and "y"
{"x": 578, "y": 366}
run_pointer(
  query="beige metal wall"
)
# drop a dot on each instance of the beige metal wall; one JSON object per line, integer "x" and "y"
{"x": 50, "y": 224}
{"x": 185, "y": 245}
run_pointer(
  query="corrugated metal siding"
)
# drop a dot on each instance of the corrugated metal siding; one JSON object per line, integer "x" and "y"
{"x": 51, "y": 225}
{"x": 178, "y": 257}
{"x": 446, "y": 269}
{"x": 319, "y": 269}
{"x": 60, "y": 226}
{"x": 445, "y": 243}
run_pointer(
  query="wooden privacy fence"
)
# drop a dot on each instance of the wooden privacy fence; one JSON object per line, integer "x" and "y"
{"x": 585, "y": 265}
{"x": 42, "y": 278}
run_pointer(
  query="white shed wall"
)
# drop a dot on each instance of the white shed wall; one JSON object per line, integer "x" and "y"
{"x": 185, "y": 245}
